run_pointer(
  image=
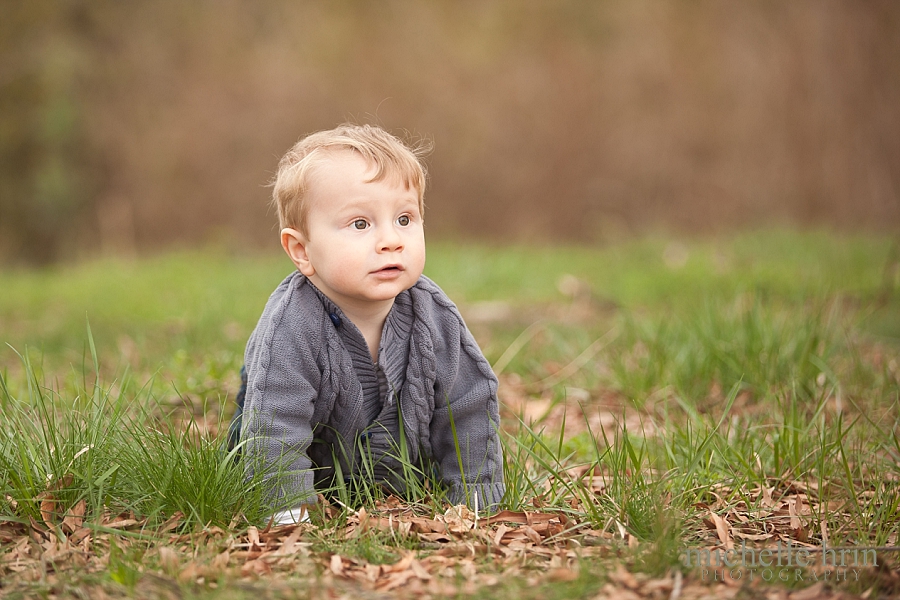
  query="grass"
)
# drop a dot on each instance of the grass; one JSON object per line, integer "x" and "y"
{"x": 657, "y": 395}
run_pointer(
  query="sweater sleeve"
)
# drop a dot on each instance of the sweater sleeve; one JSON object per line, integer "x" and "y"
{"x": 282, "y": 386}
{"x": 465, "y": 427}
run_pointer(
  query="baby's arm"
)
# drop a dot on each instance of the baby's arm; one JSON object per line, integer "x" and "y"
{"x": 283, "y": 378}
{"x": 467, "y": 395}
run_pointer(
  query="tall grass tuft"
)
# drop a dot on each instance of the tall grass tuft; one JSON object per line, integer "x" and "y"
{"x": 748, "y": 340}
{"x": 114, "y": 447}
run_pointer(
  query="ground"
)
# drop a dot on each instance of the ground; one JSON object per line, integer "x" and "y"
{"x": 665, "y": 403}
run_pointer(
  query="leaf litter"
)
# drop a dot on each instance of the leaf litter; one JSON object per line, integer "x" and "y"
{"x": 442, "y": 554}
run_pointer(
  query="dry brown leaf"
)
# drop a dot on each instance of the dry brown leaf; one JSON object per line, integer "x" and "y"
{"x": 722, "y": 530}
{"x": 811, "y": 593}
{"x": 256, "y": 567}
{"x": 122, "y": 524}
{"x": 48, "y": 508}
{"x": 372, "y": 572}
{"x": 253, "y": 536}
{"x": 562, "y": 574}
{"x": 596, "y": 533}
{"x": 419, "y": 570}
{"x": 172, "y": 522}
{"x": 422, "y": 525}
{"x": 51, "y": 551}
{"x": 82, "y": 535}
{"x": 400, "y": 565}
{"x": 522, "y": 518}
{"x": 289, "y": 545}
{"x": 459, "y": 519}
{"x": 10, "y": 532}
{"x": 190, "y": 573}
{"x": 37, "y": 532}
{"x": 498, "y": 536}
{"x": 532, "y": 535}
{"x": 336, "y": 565}
{"x": 623, "y": 577}
{"x": 514, "y": 534}
{"x": 794, "y": 513}
{"x": 395, "y": 580}
{"x": 49, "y": 501}
{"x": 168, "y": 558}
{"x": 74, "y": 517}
{"x": 654, "y": 586}
{"x": 221, "y": 560}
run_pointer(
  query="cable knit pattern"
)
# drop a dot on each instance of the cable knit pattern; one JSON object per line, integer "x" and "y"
{"x": 304, "y": 382}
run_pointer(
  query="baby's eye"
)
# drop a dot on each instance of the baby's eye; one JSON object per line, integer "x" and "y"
{"x": 403, "y": 220}
{"x": 360, "y": 224}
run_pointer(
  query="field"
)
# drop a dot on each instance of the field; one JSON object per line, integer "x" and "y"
{"x": 661, "y": 399}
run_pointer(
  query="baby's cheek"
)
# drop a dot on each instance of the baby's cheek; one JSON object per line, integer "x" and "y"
{"x": 421, "y": 259}
{"x": 351, "y": 268}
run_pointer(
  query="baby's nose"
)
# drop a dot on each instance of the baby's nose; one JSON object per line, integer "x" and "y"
{"x": 391, "y": 240}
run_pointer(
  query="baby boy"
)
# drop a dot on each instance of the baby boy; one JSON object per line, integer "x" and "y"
{"x": 356, "y": 352}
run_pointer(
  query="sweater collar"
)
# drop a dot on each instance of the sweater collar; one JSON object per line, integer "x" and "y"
{"x": 395, "y": 334}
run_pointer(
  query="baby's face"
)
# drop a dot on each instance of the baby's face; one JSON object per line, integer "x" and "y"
{"x": 365, "y": 242}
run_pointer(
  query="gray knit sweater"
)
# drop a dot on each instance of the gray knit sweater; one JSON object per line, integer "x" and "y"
{"x": 306, "y": 380}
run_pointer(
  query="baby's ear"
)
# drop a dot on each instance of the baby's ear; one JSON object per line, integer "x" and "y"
{"x": 294, "y": 243}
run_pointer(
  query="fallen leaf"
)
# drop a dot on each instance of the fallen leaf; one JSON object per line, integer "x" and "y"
{"x": 220, "y": 562}
{"x": 168, "y": 558}
{"x": 48, "y": 508}
{"x": 756, "y": 537}
{"x": 794, "y": 513}
{"x": 172, "y": 522}
{"x": 811, "y": 593}
{"x": 523, "y": 518}
{"x": 419, "y": 570}
{"x": 402, "y": 564}
{"x": 256, "y": 567}
{"x": 395, "y": 580}
{"x": 623, "y": 577}
{"x": 498, "y": 536}
{"x": 190, "y": 573}
{"x": 722, "y": 530}
{"x": 289, "y": 545}
{"x": 49, "y": 501}
{"x": 77, "y": 536}
{"x": 253, "y": 536}
{"x": 373, "y": 572}
{"x": 122, "y": 524}
{"x": 336, "y": 565}
{"x": 422, "y": 525}
{"x": 562, "y": 574}
{"x": 532, "y": 535}
{"x": 74, "y": 517}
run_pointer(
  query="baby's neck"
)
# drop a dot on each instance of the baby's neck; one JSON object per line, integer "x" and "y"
{"x": 369, "y": 319}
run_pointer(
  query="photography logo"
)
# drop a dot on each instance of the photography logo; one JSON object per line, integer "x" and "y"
{"x": 783, "y": 562}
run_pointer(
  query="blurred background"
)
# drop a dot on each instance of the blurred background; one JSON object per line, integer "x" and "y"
{"x": 129, "y": 127}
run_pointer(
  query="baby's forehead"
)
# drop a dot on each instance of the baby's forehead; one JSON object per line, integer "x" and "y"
{"x": 346, "y": 161}
{"x": 339, "y": 159}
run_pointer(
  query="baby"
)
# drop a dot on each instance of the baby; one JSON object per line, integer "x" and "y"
{"x": 360, "y": 366}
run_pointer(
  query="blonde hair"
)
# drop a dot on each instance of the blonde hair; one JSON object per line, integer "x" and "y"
{"x": 389, "y": 155}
